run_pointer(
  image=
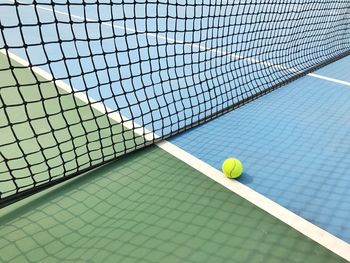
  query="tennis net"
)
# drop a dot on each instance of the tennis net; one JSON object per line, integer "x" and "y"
{"x": 84, "y": 82}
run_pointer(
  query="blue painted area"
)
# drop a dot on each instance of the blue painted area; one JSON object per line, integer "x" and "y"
{"x": 295, "y": 147}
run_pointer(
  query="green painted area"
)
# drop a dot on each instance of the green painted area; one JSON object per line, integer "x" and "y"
{"x": 46, "y": 132}
{"x": 148, "y": 207}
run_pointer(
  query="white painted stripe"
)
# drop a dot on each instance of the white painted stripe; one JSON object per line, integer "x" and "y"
{"x": 346, "y": 83}
{"x": 234, "y": 55}
{"x": 114, "y": 115}
{"x": 310, "y": 230}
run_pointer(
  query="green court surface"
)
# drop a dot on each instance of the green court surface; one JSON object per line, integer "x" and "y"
{"x": 61, "y": 128}
{"x": 146, "y": 206}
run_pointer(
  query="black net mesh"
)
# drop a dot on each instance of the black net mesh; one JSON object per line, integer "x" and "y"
{"x": 83, "y": 82}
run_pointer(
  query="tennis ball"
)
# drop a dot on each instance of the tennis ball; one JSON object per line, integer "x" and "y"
{"x": 232, "y": 167}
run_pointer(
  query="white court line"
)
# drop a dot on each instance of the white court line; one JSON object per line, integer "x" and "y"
{"x": 114, "y": 115}
{"x": 234, "y": 55}
{"x": 324, "y": 238}
{"x": 346, "y": 83}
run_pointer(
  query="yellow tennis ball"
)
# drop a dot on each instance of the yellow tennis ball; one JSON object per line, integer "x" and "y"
{"x": 232, "y": 167}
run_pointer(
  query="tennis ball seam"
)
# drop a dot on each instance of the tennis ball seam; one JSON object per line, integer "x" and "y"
{"x": 233, "y": 168}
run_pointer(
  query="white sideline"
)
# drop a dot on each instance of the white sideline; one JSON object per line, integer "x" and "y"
{"x": 116, "y": 116}
{"x": 310, "y": 230}
{"x": 346, "y": 83}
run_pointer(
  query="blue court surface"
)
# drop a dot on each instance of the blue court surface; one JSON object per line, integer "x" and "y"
{"x": 294, "y": 142}
{"x": 166, "y": 98}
